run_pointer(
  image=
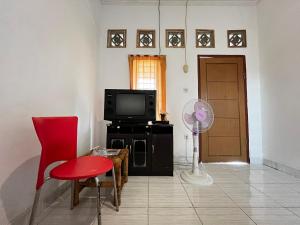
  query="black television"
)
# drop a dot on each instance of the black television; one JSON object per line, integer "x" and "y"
{"x": 123, "y": 105}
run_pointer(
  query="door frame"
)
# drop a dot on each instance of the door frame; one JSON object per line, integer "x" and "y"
{"x": 243, "y": 57}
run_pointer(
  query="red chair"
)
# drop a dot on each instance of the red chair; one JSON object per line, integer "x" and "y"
{"x": 58, "y": 137}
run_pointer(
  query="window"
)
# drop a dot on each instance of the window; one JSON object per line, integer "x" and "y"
{"x": 116, "y": 38}
{"x": 205, "y": 38}
{"x": 237, "y": 38}
{"x": 145, "y": 39}
{"x": 175, "y": 38}
{"x": 149, "y": 73}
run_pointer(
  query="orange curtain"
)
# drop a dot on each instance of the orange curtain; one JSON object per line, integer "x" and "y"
{"x": 150, "y": 68}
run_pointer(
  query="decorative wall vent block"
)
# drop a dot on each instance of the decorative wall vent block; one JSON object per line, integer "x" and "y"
{"x": 116, "y": 38}
{"x": 205, "y": 38}
{"x": 237, "y": 38}
{"x": 145, "y": 39}
{"x": 175, "y": 38}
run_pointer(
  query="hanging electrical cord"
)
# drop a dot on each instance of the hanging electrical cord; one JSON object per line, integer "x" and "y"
{"x": 185, "y": 66}
{"x": 159, "y": 47}
{"x": 186, "y": 161}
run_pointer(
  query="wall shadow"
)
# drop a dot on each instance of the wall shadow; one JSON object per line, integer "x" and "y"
{"x": 17, "y": 191}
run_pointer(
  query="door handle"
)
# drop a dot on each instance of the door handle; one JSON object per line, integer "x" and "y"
{"x": 153, "y": 149}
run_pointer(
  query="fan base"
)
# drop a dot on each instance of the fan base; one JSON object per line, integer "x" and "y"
{"x": 201, "y": 178}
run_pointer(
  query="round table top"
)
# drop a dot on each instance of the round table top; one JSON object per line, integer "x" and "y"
{"x": 82, "y": 167}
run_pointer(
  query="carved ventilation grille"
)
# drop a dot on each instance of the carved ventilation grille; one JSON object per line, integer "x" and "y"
{"x": 145, "y": 39}
{"x": 175, "y": 38}
{"x": 237, "y": 38}
{"x": 205, "y": 38}
{"x": 116, "y": 38}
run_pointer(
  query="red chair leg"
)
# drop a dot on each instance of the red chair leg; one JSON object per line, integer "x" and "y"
{"x": 98, "y": 200}
{"x": 115, "y": 190}
{"x": 34, "y": 207}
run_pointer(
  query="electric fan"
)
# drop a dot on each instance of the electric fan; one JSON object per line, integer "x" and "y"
{"x": 198, "y": 117}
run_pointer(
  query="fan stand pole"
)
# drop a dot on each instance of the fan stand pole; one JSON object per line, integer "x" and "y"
{"x": 196, "y": 176}
{"x": 195, "y": 168}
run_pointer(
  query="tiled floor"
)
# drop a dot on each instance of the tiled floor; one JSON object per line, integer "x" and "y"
{"x": 241, "y": 195}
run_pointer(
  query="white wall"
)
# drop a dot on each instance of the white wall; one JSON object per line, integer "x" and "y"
{"x": 48, "y": 64}
{"x": 279, "y": 33}
{"x": 114, "y": 70}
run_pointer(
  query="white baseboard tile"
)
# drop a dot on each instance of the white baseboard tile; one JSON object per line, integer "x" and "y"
{"x": 256, "y": 160}
{"x": 281, "y": 167}
{"x": 189, "y": 159}
{"x": 182, "y": 159}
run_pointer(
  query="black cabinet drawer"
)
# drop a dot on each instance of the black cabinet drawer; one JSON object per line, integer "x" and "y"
{"x": 150, "y": 147}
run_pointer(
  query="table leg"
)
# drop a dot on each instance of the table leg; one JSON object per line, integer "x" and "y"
{"x": 125, "y": 167}
{"x": 118, "y": 171}
{"x": 75, "y": 194}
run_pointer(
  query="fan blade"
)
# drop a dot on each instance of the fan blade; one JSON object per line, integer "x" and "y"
{"x": 198, "y": 106}
{"x": 201, "y": 115}
{"x": 204, "y": 124}
{"x": 189, "y": 118}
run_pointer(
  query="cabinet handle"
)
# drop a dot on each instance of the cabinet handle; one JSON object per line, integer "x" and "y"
{"x": 153, "y": 149}
{"x": 129, "y": 149}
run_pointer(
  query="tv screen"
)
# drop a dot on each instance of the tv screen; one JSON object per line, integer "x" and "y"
{"x": 124, "y": 105}
{"x": 130, "y": 104}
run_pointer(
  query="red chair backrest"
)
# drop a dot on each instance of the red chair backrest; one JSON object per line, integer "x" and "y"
{"x": 58, "y": 137}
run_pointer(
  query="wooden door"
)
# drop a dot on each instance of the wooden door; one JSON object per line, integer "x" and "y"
{"x": 222, "y": 82}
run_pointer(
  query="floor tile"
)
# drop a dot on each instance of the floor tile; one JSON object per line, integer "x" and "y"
{"x": 295, "y": 211}
{"x": 204, "y": 191}
{"x": 124, "y": 220}
{"x": 85, "y": 202}
{"x": 224, "y": 216}
{"x": 292, "y": 200}
{"x": 134, "y": 201}
{"x": 213, "y": 202}
{"x": 256, "y": 201}
{"x": 174, "y": 216}
{"x": 164, "y": 179}
{"x": 127, "y": 216}
{"x": 241, "y": 195}
{"x": 242, "y": 190}
{"x": 226, "y": 178}
{"x": 281, "y": 216}
{"x": 167, "y": 189}
{"x": 136, "y": 185}
{"x": 64, "y": 216}
{"x": 138, "y": 179}
{"x": 274, "y": 188}
{"x": 169, "y": 201}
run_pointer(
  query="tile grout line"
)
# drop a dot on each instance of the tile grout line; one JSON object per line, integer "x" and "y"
{"x": 234, "y": 201}
{"x": 222, "y": 187}
{"x": 267, "y": 195}
{"x": 190, "y": 200}
{"x": 281, "y": 206}
{"x": 288, "y": 209}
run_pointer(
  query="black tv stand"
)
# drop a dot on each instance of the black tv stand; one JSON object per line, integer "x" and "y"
{"x": 150, "y": 147}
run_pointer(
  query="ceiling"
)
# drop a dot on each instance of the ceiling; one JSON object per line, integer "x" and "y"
{"x": 181, "y": 2}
